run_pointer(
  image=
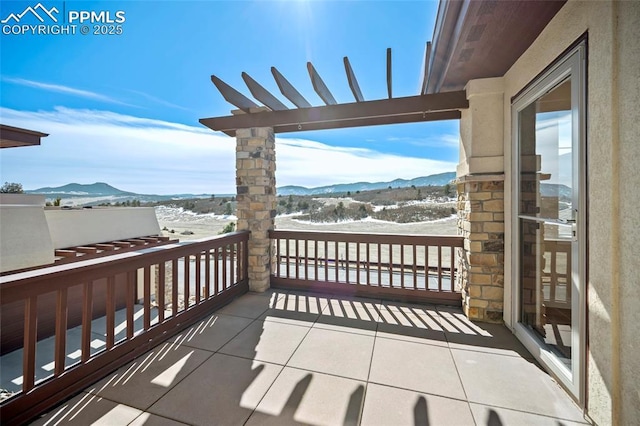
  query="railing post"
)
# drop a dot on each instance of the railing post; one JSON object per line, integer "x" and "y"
{"x": 256, "y": 196}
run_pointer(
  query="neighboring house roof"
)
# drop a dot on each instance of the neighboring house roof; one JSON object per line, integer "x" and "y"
{"x": 11, "y": 137}
{"x": 482, "y": 38}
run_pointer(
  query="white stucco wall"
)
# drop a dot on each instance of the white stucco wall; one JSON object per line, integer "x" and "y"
{"x": 24, "y": 234}
{"x": 76, "y": 227}
{"x": 613, "y": 158}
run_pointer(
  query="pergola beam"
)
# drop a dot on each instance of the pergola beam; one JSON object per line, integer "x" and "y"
{"x": 262, "y": 94}
{"x": 389, "y": 81}
{"x": 318, "y": 85}
{"x": 425, "y": 69}
{"x": 368, "y": 113}
{"x": 288, "y": 90}
{"x": 364, "y": 122}
{"x": 233, "y": 96}
{"x": 353, "y": 82}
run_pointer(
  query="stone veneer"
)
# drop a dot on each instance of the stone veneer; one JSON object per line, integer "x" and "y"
{"x": 481, "y": 265}
{"x": 256, "y": 196}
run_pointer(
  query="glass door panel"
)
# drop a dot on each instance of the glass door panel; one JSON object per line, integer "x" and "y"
{"x": 546, "y": 215}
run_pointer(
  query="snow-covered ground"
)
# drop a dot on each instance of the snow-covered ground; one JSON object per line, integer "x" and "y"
{"x": 179, "y": 220}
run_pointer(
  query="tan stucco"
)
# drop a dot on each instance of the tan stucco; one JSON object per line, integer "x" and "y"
{"x": 613, "y": 155}
{"x": 24, "y": 234}
{"x": 76, "y": 227}
{"x": 481, "y": 131}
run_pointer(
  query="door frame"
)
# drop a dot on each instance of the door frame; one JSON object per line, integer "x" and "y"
{"x": 571, "y": 64}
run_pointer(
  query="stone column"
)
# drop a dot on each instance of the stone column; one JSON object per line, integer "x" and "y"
{"x": 256, "y": 196}
{"x": 480, "y": 187}
{"x": 481, "y": 266}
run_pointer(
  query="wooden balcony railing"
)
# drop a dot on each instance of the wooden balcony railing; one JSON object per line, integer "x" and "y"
{"x": 140, "y": 298}
{"x": 408, "y": 267}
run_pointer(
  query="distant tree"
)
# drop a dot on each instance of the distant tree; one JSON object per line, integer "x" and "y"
{"x": 11, "y": 188}
{"x": 57, "y": 202}
{"x": 419, "y": 195}
{"x": 340, "y": 210}
{"x": 348, "y": 193}
{"x": 413, "y": 187}
{"x": 448, "y": 189}
{"x": 228, "y": 210}
{"x": 230, "y": 227}
{"x": 390, "y": 187}
{"x": 213, "y": 196}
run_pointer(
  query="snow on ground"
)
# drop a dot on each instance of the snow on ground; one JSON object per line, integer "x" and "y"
{"x": 205, "y": 225}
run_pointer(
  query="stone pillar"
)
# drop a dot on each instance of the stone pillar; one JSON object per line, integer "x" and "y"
{"x": 481, "y": 267}
{"x": 256, "y": 196}
{"x": 480, "y": 187}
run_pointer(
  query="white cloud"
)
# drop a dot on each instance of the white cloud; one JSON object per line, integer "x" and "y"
{"x": 64, "y": 89}
{"x": 154, "y": 156}
{"x": 433, "y": 141}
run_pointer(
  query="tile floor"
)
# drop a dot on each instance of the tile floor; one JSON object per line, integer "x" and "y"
{"x": 287, "y": 358}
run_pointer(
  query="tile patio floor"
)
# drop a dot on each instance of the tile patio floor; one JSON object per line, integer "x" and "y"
{"x": 285, "y": 358}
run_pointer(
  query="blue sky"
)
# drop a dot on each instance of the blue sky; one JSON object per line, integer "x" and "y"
{"x": 124, "y": 109}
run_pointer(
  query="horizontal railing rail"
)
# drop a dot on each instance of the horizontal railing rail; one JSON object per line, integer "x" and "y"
{"x": 409, "y": 267}
{"x": 153, "y": 293}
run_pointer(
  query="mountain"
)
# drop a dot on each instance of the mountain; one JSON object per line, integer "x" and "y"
{"x": 98, "y": 189}
{"x": 431, "y": 180}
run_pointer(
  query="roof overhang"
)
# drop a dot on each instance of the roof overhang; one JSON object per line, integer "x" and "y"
{"x": 482, "y": 38}
{"x": 11, "y": 137}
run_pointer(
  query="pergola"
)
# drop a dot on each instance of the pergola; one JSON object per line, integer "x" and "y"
{"x": 361, "y": 112}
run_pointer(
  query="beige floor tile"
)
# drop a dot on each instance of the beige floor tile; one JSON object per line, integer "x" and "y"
{"x": 303, "y": 397}
{"x": 387, "y": 406}
{"x": 266, "y": 341}
{"x": 412, "y": 323}
{"x": 352, "y": 315}
{"x": 512, "y": 382}
{"x": 224, "y": 390}
{"x": 212, "y": 333}
{"x": 87, "y": 409}
{"x": 143, "y": 381}
{"x": 147, "y": 419}
{"x": 334, "y": 352}
{"x": 297, "y": 309}
{"x": 249, "y": 306}
{"x": 461, "y": 333}
{"x": 415, "y": 366}
{"x": 495, "y": 416}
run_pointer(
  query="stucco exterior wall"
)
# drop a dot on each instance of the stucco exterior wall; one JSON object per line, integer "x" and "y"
{"x": 613, "y": 155}
{"x": 71, "y": 228}
{"x": 18, "y": 248}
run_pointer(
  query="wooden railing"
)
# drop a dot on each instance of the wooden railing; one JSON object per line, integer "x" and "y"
{"x": 189, "y": 281}
{"x": 407, "y": 267}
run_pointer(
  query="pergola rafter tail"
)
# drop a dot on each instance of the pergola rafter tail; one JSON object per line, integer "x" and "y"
{"x": 275, "y": 114}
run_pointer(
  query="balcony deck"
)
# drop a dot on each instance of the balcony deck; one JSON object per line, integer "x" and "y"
{"x": 302, "y": 358}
